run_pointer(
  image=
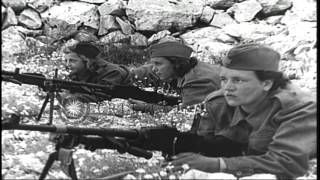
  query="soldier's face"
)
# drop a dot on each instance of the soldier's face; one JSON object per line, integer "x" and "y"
{"x": 75, "y": 63}
{"x": 243, "y": 88}
{"x": 163, "y": 68}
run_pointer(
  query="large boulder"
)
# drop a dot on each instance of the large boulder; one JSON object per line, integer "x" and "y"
{"x": 249, "y": 31}
{"x": 13, "y": 43}
{"x": 222, "y": 19}
{"x": 274, "y": 7}
{"x": 107, "y": 23}
{"x": 245, "y": 11}
{"x": 16, "y": 5}
{"x": 8, "y": 17}
{"x": 68, "y": 16}
{"x": 159, "y": 35}
{"x": 108, "y": 7}
{"x": 208, "y": 33}
{"x": 138, "y": 39}
{"x": 301, "y": 30}
{"x": 306, "y": 10}
{"x": 159, "y": 15}
{"x": 209, "y": 43}
{"x": 125, "y": 25}
{"x": 207, "y": 14}
{"x": 30, "y": 19}
{"x": 40, "y": 5}
{"x": 220, "y": 4}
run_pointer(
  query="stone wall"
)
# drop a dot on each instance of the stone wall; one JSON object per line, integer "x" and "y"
{"x": 210, "y": 27}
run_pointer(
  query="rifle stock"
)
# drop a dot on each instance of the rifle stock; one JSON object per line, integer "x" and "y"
{"x": 104, "y": 91}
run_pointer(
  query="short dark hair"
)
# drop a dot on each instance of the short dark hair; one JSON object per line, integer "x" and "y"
{"x": 86, "y": 49}
{"x": 278, "y": 78}
{"x": 182, "y": 65}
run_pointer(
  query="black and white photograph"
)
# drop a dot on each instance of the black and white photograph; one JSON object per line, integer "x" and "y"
{"x": 159, "y": 89}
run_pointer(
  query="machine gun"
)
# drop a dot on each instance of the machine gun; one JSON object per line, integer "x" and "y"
{"x": 68, "y": 137}
{"x": 54, "y": 86}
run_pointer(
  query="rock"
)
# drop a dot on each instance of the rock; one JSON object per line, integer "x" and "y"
{"x": 30, "y": 19}
{"x": 59, "y": 29}
{"x": 94, "y": 1}
{"x": 273, "y": 20}
{"x": 3, "y": 13}
{"x": 210, "y": 51}
{"x": 159, "y": 15}
{"x": 222, "y": 19}
{"x": 16, "y": 5}
{"x": 75, "y": 13}
{"x": 161, "y": 34}
{"x": 252, "y": 32}
{"x": 12, "y": 43}
{"x": 274, "y": 7}
{"x": 29, "y": 32}
{"x": 8, "y": 17}
{"x": 107, "y": 23}
{"x": 125, "y": 26}
{"x": 115, "y": 37}
{"x": 138, "y": 39}
{"x": 85, "y": 36}
{"x": 301, "y": 30}
{"x": 40, "y": 5}
{"x": 107, "y": 8}
{"x": 206, "y": 34}
{"x": 305, "y": 10}
{"x": 220, "y": 4}
{"x": 245, "y": 11}
{"x": 207, "y": 14}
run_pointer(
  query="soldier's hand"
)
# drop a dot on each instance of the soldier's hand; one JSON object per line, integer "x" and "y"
{"x": 196, "y": 161}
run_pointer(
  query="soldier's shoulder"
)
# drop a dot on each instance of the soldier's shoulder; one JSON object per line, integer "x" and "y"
{"x": 214, "y": 95}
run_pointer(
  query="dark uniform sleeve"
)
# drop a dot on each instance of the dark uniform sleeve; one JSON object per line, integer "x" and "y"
{"x": 292, "y": 145}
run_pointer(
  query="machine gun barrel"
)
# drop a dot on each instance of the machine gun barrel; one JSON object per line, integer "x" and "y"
{"x": 126, "y": 133}
{"x": 109, "y": 90}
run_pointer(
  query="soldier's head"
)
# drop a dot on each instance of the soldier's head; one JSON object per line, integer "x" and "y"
{"x": 81, "y": 56}
{"x": 171, "y": 59}
{"x": 249, "y": 73}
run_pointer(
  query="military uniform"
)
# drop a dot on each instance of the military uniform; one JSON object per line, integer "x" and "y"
{"x": 277, "y": 136}
{"x": 281, "y": 133}
{"x": 198, "y": 83}
{"x": 106, "y": 73}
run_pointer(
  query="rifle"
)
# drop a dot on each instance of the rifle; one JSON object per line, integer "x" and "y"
{"x": 96, "y": 138}
{"x": 54, "y": 86}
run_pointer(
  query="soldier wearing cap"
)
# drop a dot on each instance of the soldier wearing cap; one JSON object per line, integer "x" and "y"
{"x": 171, "y": 60}
{"x": 263, "y": 124}
{"x": 86, "y": 65}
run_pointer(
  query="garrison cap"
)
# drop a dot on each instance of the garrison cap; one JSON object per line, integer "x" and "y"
{"x": 252, "y": 57}
{"x": 170, "y": 49}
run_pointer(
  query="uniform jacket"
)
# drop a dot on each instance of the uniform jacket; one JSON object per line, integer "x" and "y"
{"x": 281, "y": 133}
{"x": 196, "y": 84}
{"x": 106, "y": 73}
